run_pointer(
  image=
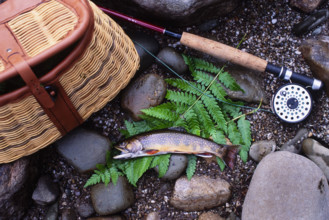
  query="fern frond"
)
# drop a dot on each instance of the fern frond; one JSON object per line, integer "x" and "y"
{"x": 191, "y": 166}
{"x": 162, "y": 161}
{"x": 233, "y": 133}
{"x": 189, "y": 62}
{"x": 192, "y": 122}
{"x": 204, "y": 118}
{"x": 135, "y": 168}
{"x": 231, "y": 110}
{"x": 161, "y": 113}
{"x": 244, "y": 128}
{"x": 229, "y": 82}
{"x": 186, "y": 86}
{"x": 218, "y": 137}
{"x": 134, "y": 128}
{"x": 107, "y": 177}
{"x": 114, "y": 174}
{"x": 244, "y": 155}
{"x": 215, "y": 112}
{"x": 216, "y": 88}
{"x": 201, "y": 64}
{"x": 155, "y": 123}
{"x": 220, "y": 163}
{"x": 93, "y": 180}
{"x": 180, "y": 97}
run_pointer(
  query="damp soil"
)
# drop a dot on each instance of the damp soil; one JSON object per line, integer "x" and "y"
{"x": 266, "y": 26}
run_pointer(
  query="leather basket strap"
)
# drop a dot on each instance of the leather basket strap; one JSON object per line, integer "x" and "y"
{"x": 60, "y": 110}
{"x": 12, "y": 53}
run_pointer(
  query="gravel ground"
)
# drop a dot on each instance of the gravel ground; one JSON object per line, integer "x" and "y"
{"x": 267, "y": 25}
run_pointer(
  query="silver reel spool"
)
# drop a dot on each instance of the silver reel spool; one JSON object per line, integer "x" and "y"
{"x": 292, "y": 103}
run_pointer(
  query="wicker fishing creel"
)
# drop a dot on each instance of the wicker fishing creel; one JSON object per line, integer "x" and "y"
{"x": 71, "y": 58}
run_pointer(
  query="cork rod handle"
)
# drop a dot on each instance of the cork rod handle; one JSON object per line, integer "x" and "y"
{"x": 223, "y": 51}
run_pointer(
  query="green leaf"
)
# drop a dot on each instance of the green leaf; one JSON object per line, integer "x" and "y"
{"x": 244, "y": 128}
{"x": 191, "y": 166}
{"x": 161, "y": 113}
{"x": 229, "y": 82}
{"x": 135, "y": 168}
{"x": 220, "y": 163}
{"x": 192, "y": 122}
{"x": 94, "y": 179}
{"x": 244, "y": 155}
{"x": 162, "y": 161}
{"x": 204, "y": 119}
{"x": 215, "y": 111}
{"x": 218, "y": 137}
{"x": 233, "y": 133}
{"x": 180, "y": 97}
{"x": 114, "y": 175}
{"x": 107, "y": 177}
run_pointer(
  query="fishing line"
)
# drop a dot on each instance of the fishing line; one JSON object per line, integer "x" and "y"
{"x": 202, "y": 92}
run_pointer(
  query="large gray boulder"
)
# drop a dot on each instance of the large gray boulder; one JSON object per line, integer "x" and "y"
{"x": 178, "y": 11}
{"x": 287, "y": 186}
{"x": 15, "y": 191}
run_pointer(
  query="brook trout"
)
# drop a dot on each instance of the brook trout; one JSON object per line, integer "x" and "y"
{"x": 164, "y": 142}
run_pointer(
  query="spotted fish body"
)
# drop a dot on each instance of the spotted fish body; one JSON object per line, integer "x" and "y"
{"x": 170, "y": 142}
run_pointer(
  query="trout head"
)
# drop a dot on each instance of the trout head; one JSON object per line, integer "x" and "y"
{"x": 130, "y": 149}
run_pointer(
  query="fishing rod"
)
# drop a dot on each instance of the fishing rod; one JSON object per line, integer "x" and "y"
{"x": 292, "y": 102}
{"x": 223, "y": 51}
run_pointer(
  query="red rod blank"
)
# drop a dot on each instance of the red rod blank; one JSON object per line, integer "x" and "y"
{"x": 136, "y": 21}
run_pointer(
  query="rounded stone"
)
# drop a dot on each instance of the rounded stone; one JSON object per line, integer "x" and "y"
{"x": 177, "y": 166}
{"x": 287, "y": 186}
{"x": 142, "y": 43}
{"x": 76, "y": 146}
{"x": 210, "y": 216}
{"x": 295, "y": 145}
{"x": 112, "y": 198}
{"x": 46, "y": 191}
{"x": 318, "y": 154}
{"x": 144, "y": 92}
{"x": 260, "y": 149}
{"x": 199, "y": 193}
{"x": 173, "y": 59}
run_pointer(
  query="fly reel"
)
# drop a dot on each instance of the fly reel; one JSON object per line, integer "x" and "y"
{"x": 292, "y": 103}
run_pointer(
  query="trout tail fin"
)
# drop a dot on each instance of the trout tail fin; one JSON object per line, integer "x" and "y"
{"x": 231, "y": 155}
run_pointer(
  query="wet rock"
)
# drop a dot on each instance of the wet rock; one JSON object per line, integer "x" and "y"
{"x": 176, "y": 167}
{"x": 208, "y": 25}
{"x": 76, "y": 148}
{"x": 68, "y": 214}
{"x": 210, "y": 216}
{"x": 311, "y": 22}
{"x": 260, "y": 149}
{"x": 295, "y": 145}
{"x": 306, "y": 5}
{"x": 250, "y": 82}
{"x": 316, "y": 54}
{"x": 144, "y": 92}
{"x": 318, "y": 154}
{"x": 142, "y": 41}
{"x": 112, "y": 198}
{"x": 15, "y": 191}
{"x": 52, "y": 212}
{"x": 199, "y": 193}
{"x": 85, "y": 208}
{"x": 152, "y": 216}
{"x": 179, "y": 12}
{"x": 287, "y": 186}
{"x": 46, "y": 191}
{"x": 173, "y": 59}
